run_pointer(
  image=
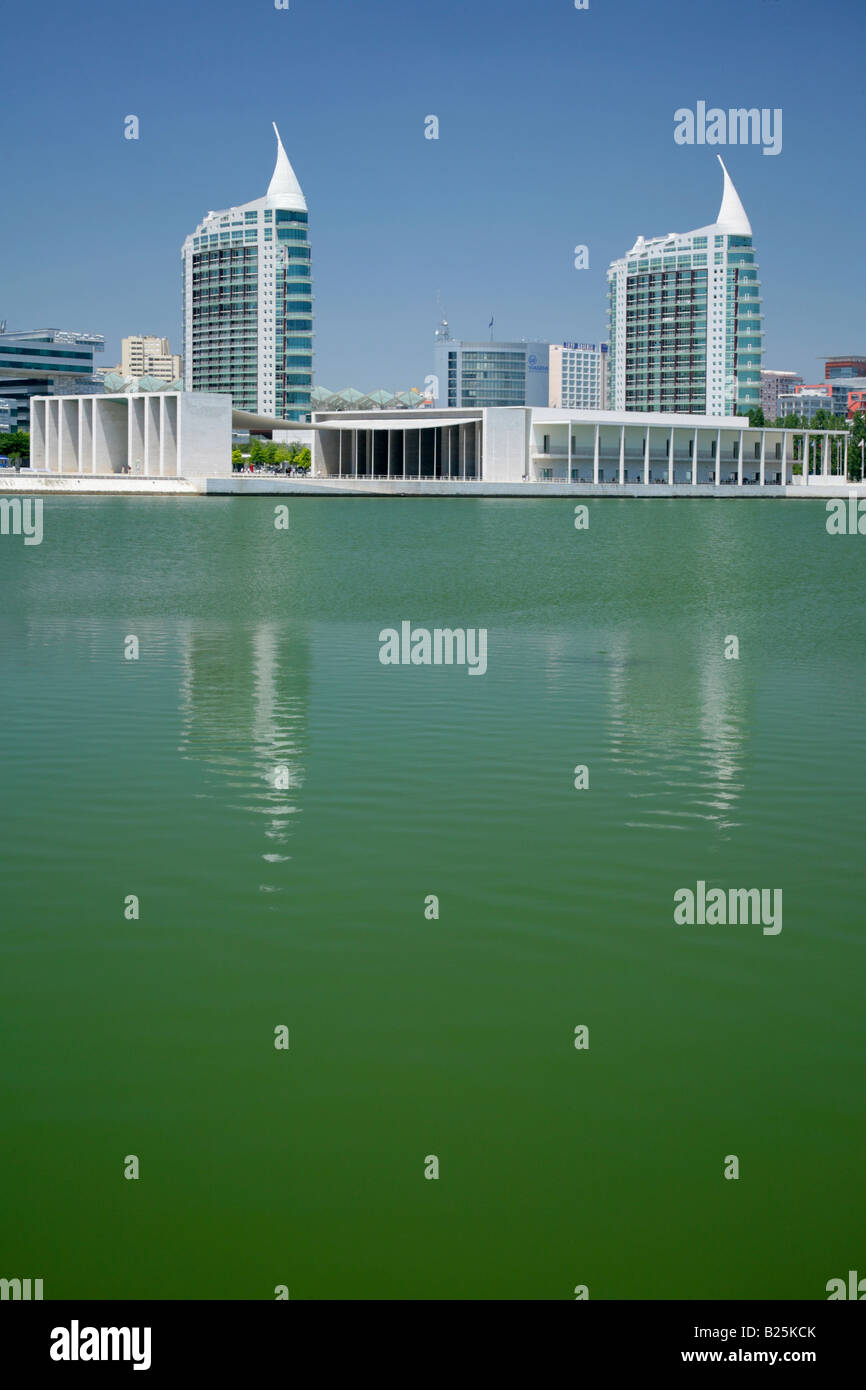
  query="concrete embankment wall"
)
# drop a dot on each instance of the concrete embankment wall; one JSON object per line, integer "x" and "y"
{"x": 247, "y": 485}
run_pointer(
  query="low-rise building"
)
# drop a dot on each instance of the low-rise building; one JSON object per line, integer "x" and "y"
{"x": 538, "y": 445}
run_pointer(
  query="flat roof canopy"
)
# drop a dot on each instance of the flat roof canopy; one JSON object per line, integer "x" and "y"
{"x": 430, "y": 421}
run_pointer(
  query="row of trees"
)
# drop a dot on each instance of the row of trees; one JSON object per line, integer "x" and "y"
{"x": 822, "y": 420}
{"x": 264, "y": 453}
{"x": 15, "y": 445}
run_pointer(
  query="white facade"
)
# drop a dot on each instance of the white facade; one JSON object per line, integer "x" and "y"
{"x": 601, "y": 448}
{"x": 578, "y": 376}
{"x": 156, "y": 434}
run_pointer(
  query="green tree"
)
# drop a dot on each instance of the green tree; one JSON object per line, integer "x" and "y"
{"x": 15, "y": 445}
{"x": 237, "y": 459}
{"x": 257, "y": 453}
{"x": 756, "y": 417}
{"x": 303, "y": 459}
{"x": 855, "y": 454}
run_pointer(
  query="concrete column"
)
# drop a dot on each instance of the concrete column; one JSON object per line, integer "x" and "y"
{"x": 763, "y": 473}
{"x": 355, "y": 432}
{"x": 595, "y": 456}
{"x": 718, "y": 468}
{"x": 37, "y": 433}
{"x": 806, "y": 443}
{"x": 671, "y": 456}
{"x": 784, "y": 456}
{"x": 568, "y": 464}
{"x": 695, "y": 455}
{"x": 621, "y": 455}
{"x": 740, "y": 460}
{"x": 646, "y": 456}
{"x": 825, "y": 457}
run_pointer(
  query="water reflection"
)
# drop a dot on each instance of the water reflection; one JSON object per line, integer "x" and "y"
{"x": 243, "y": 700}
{"x": 679, "y": 729}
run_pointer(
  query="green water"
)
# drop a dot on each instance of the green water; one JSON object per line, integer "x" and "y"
{"x": 304, "y": 905}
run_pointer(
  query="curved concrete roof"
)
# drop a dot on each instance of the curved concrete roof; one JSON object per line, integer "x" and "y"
{"x": 732, "y": 215}
{"x": 248, "y": 420}
{"x": 284, "y": 189}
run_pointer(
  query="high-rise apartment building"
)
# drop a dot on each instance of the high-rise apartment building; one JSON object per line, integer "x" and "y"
{"x": 578, "y": 376}
{"x": 685, "y": 319}
{"x": 248, "y": 301}
{"x": 141, "y": 355}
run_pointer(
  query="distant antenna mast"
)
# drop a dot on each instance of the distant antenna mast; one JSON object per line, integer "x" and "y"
{"x": 442, "y": 332}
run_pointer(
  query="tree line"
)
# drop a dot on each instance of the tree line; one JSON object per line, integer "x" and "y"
{"x": 263, "y": 453}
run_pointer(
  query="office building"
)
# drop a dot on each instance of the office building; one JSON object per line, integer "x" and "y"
{"x": 248, "y": 304}
{"x": 842, "y": 396}
{"x": 844, "y": 367}
{"x": 578, "y": 375}
{"x": 806, "y": 401}
{"x": 476, "y": 375}
{"x": 46, "y": 361}
{"x": 685, "y": 319}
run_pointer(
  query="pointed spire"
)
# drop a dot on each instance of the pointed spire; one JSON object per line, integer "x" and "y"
{"x": 732, "y": 215}
{"x": 284, "y": 189}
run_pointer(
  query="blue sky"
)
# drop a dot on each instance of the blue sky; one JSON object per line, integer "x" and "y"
{"x": 556, "y": 129}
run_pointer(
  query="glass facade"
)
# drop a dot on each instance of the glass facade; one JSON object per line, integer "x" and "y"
{"x": 493, "y": 378}
{"x": 294, "y": 317}
{"x": 47, "y": 363}
{"x": 225, "y": 323}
